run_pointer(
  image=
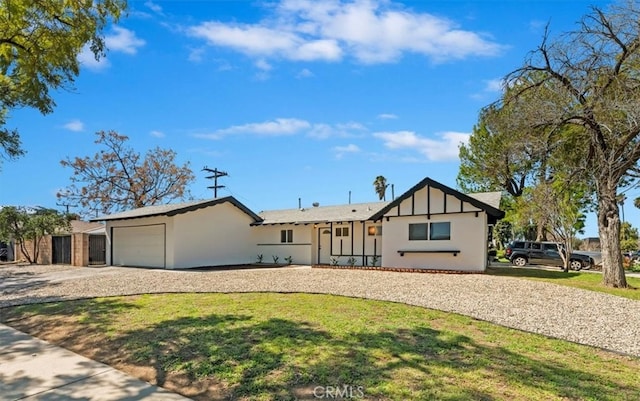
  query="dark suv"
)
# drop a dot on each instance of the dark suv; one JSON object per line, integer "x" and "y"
{"x": 543, "y": 253}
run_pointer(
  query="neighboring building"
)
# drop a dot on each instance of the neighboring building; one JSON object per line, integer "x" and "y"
{"x": 82, "y": 245}
{"x": 591, "y": 244}
{"x": 430, "y": 226}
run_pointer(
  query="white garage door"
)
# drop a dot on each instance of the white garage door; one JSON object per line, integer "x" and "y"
{"x": 142, "y": 246}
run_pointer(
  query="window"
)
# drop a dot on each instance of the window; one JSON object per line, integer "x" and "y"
{"x": 417, "y": 232}
{"x": 440, "y": 231}
{"x": 286, "y": 236}
{"x": 536, "y": 245}
{"x": 342, "y": 231}
{"x": 374, "y": 230}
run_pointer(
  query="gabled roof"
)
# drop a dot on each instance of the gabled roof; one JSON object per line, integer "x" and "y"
{"x": 491, "y": 210}
{"x": 177, "y": 208}
{"x": 322, "y": 214}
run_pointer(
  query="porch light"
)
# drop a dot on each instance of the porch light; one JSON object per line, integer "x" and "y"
{"x": 372, "y": 230}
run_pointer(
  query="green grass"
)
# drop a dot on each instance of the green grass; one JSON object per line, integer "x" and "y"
{"x": 587, "y": 281}
{"x": 282, "y": 346}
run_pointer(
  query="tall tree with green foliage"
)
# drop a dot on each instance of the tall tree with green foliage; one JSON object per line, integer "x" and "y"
{"x": 628, "y": 237}
{"x": 589, "y": 79}
{"x": 40, "y": 41}
{"x": 380, "y": 185}
{"x": 29, "y": 226}
{"x": 496, "y": 158}
{"x": 120, "y": 178}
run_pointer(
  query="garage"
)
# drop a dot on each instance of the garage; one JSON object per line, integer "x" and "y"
{"x": 139, "y": 246}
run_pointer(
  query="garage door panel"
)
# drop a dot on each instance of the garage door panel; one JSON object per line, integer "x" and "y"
{"x": 142, "y": 246}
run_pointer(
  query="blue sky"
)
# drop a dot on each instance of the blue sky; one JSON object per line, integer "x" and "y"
{"x": 294, "y": 99}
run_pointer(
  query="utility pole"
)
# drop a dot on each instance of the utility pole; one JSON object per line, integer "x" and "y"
{"x": 215, "y": 175}
{"x": 66, "y": 205}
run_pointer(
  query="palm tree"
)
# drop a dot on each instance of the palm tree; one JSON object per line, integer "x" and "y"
{"x": 380, "y": 185}
{"x": 621, "y": 198}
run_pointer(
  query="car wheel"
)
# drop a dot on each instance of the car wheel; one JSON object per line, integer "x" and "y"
{"x": 575, "y": 264}
{"x": 519, "y": 261}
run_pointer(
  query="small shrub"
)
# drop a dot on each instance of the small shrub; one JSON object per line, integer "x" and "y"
{"x": 374, "y": 260}
{"x": 275, "y": 259}
{"x": 260, "y": 256}
{"x": 334, "y": 261}
{"x": 351, "y": 261}
{"x": 288, "y": 259}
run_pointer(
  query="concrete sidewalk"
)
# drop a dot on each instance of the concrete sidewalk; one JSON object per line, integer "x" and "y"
{"x": 32, "y": 369}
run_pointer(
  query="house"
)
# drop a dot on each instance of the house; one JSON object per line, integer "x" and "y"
{"x": 178, "y": 236}
{"x": 82, "y": 245}
{"x": 431, "y": 226}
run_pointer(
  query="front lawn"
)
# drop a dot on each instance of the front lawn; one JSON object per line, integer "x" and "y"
{"x": 264, "y": 346}
{"x": 587, "y": 281}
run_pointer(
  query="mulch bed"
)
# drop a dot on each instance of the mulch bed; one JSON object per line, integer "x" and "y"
{"x": 396, "y": 269}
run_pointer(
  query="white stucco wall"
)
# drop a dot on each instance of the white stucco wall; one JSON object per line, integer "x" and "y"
{"x": 267, "y": 243}
{"x": 145, "y": 221}
{"x": 468, "y": 235}
{"x": 213, "y": 236}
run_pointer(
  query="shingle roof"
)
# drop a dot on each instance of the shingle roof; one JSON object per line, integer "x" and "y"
{"x": 490, "y": 198}
{"x": 177, "y": 208}
{"x": 355, "y": 212}
{"x": 79, "y": 226}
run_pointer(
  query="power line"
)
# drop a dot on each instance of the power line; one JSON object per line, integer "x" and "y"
{"x": 66, "y": 205}
{"x": 215, "y": 175}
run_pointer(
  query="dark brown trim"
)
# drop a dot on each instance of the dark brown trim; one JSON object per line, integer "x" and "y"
{"x": 352, "y": 236}
{"x": 444, "y": 205}
{"x": 413, "y": 203}
{"x": 364, "y": 238}
{"x": 331, "y": 238}
{"x": 428, "y": 201}
{"x": 428, "y": 182}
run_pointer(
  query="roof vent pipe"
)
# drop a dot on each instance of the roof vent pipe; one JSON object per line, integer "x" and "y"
{"x": 299, "y": 203}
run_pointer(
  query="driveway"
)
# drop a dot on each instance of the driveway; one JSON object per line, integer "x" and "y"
{"x": 585, "y": 317}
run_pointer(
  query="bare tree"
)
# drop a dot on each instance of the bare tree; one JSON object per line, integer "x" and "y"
{"x": 589, "y": 79}
{"x": 120, "y": 178}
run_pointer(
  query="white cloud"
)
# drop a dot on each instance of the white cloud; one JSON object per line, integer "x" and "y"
{"x": 277, "y": 127}
{"x": 369, "y": 31}
{"x": 288, "y": 126}
{"x": 157, "y": 134}
{"x": 443, "y": 149}
{"x": 87, "y": 59}
{"x": 387, "y": 116}
{"x": 124, "y": 41}
{"x": 196, "y": 55}
{"x": 153, "y": 7}
{"x": 340, "y": 151}
{"x": 494, "y": 85}
{"x": 324, "y": 131}
{"x": 263, "y": 65}
{"x": 74, "y": 125}
{"x": 121, "y": 41}
{"x": 305, "y": 73}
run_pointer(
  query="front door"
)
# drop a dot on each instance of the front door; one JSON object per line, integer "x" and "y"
{"x": 324, "y": 245}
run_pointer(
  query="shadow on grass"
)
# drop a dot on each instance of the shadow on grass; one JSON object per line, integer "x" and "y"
{"x": 252, "y": 357}
{"x": 534, "y": 273}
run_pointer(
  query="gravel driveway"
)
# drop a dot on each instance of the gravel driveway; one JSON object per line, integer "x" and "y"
{"x": 573, "y": 314}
